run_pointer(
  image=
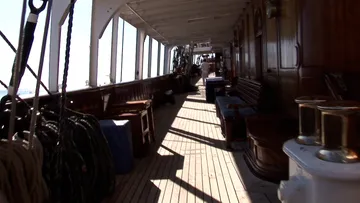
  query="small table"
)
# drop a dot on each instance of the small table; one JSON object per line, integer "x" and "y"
{"x": 140, "y": 131}
{"x": 138, "y": 106}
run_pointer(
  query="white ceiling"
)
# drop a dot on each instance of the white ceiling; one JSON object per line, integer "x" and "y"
{"x": 179, "y": 22}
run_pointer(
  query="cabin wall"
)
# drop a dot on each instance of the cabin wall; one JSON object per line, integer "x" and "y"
{"x": 306, "y": 40}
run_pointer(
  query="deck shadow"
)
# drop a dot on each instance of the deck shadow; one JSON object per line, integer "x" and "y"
{"x": 198, "y": 138}
{"x": 212, "y": 111}
{"x": 196, "y": 100}
{"x": 205, "y": 122}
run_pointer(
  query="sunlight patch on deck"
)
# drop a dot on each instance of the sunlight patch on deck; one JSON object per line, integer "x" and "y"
{"x": 189, "y": 162}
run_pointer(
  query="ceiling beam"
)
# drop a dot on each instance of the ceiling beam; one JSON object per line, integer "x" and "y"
{"x": 159, "y": 4}
{"x": 199, "y": 32}
{"x": 132, "y": 10}
{"x": 186, "y": 13}
{"x": 205, "y": 19}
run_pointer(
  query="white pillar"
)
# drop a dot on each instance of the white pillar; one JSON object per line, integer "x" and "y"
{"x": 102, "y": 12}
{"x": 158, "y": 59}
{"x": 165, "y": 60}
{"x": 114, "y": 46}
{"x": 150, "y": 57}
{"x": 168, "y": 59}
{"x": 139, "y": 54}
{"x": 57, "y": 20}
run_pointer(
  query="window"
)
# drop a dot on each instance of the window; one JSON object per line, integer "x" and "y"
{"x": 129, "y": 53}
{"x": 146, "y": 57}
{"x": 10, "y": 28}
{"x": 154, "y": 58}
{"x": 78, "y": 75}
{"x": 119, "y": 50}
{"x": 162, "y": 54}
{"x": 104, "y": 57}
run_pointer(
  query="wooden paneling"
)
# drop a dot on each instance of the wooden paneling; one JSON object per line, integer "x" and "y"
{"x": 288, "y": 31}
{"x": 352, "y": 35}
{"x": 93, "y": 101}
{"x": 308, "y": 39}
{"x": 271, "y": 52}
{"x": 312, "y": 29}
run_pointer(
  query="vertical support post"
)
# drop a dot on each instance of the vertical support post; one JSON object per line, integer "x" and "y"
{"x": 55, "y": 40}
{"x": 94, "y": 47}
{"x": 114, "y": 46}
{"x": 158, "y": 59}
{"x": 139, "y": 54}
{"x": 102, "y": 11}
{"x": 150, "y": 57}
{"x": 168, "y": 59}
{"x": 166, "y": 56}
{"x": 122, "y": 50}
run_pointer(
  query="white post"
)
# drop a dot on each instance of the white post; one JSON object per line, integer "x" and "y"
{"x": 59, "y": 8}
{"x": 158, "y": 59}
{"x": 102, "y": 12}
{"x": 139, "y": 54}
{"x": 150, "y": 57}
{"x": 114, "y": 46}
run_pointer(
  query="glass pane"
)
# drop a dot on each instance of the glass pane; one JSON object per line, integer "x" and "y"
{"x": 154, "y": 58}
{"x": 78, "y": 76}
{"x": 11, "y": 14}
{"x": 104, "y": 58}
{"x": 129, "y": 55}
{"x": 146, "y": 58}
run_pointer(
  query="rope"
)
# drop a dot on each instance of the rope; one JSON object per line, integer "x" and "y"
{"x": 17, "y": 96}
{"x": 41, "y": 63}
{"x": 66, "y": 69}
{"x": 22, "y": 181}
{"x": 15, "y": 77}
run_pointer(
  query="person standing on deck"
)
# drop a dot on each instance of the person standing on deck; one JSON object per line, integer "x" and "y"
{"x": 204, "y": 70}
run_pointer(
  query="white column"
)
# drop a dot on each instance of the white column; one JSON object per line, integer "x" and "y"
{"x": 150, "y": 57}
{"x": 139, "y": 54}
{"x": 114, "y": 46}
{"x": 166, "y": 55}
{"x": 122, "y": 50}
{"x": 158, "y": 59}
{"x": 168, "y": 59}
{"x": 57, "y": 20}
{"x": 102, "y": 12}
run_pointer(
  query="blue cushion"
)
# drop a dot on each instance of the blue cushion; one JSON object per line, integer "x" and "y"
{"x": 224, "y": 101}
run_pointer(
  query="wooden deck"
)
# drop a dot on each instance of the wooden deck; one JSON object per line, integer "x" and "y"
{"x": 189, "y": 162}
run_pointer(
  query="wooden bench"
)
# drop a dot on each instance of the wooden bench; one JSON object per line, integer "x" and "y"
{"x": 245, "y": 99}
{"x": 140, "y": 131}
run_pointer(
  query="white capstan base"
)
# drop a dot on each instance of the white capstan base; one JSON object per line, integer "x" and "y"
{"x": 312, "y": 180}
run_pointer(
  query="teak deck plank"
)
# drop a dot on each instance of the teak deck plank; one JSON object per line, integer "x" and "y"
{"x": 189, "y": 162}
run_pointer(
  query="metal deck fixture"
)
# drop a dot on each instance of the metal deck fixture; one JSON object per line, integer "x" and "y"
{"x": 348, "y": 150}
{"x": 310, "y": 130}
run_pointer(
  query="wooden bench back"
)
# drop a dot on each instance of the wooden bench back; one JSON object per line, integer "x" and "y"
{"x": 252, "y": 92}
{"x": 249, "y": 90}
